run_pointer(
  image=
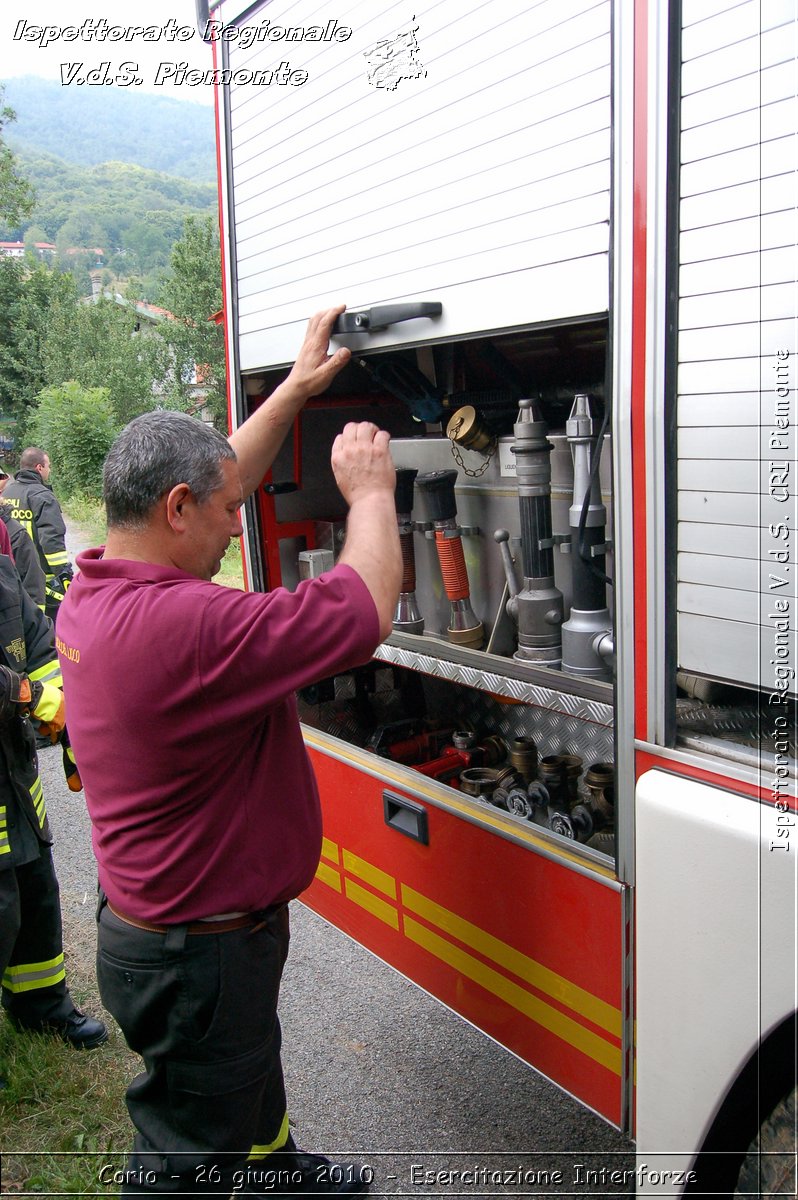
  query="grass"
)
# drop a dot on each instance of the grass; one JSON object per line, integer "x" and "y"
{"x": 63, "y": 1114}
{"x": 90, "y": 517}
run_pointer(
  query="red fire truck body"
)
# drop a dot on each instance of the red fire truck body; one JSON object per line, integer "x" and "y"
{"x": 565, "y": 234}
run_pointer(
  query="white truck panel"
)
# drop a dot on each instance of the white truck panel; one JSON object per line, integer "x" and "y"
{"x": 738, "y": 253}
{"x": 704, "y": 864}
{"x": 735, "y": 541}
{"x": 484, "y": 183}
{"x": 738, "y": 306}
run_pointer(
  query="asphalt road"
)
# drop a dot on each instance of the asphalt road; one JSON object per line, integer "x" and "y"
{"x": 378, "y": 1070}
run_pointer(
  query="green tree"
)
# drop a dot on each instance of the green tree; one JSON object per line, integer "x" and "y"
{"x": 16, "y": 194}
{"x": 105, "y": 345}
{"x": 76, "y": 426}
{"x": 192, "y": 292}
{"x": 30, "y": 301}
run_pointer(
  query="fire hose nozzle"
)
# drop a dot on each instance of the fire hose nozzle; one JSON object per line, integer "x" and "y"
{"x": 539, "y": 603}
{"x": 407, "y": 617}
{"x": 465, "y": 628}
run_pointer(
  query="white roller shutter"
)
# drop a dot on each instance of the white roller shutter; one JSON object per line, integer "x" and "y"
{"x": 738, "y": 340}
{"x": 483, "y": 183}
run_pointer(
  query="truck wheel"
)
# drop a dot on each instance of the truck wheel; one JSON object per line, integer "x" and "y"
{"x": 769, "y": 1166}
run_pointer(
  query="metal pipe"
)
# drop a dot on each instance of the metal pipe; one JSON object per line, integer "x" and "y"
{"x": 539, "y": 603}
{"x": 585, "y": 648}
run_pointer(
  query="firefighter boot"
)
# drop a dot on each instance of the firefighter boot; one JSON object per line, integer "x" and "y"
{"x": 291, "y": 1172}
{"x": 80, "y": 1031}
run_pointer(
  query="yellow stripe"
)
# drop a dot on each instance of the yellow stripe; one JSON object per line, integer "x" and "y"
{"x": 545, "y": 980}
{"x": 29, "y": 977}
{"x": 371, "y": 903}
{"x": 329, "y": 876}
{"x": 370, "y": 874}
{"x": 329, "y": 850}
{"x": 278, "y": 1143}
{"x": 4, "y": 846}
{"x": 26, "y": 968}
{"x": 49, "y": 673}
{"x": 537, "y": 1010}
{"x": 58, "y": 559}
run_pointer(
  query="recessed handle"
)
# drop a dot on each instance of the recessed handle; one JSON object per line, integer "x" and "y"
{"x": 369, "y": 320}
{"x": 406, "y": 817}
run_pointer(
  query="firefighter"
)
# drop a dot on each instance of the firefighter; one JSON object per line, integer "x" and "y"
{"x": 34, "y": 991}
{"x": 36, "y": 508}
{"x": 25, "y": 555}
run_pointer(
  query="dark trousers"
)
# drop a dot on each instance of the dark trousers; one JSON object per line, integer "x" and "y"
{"x": 31, "y": 946}
{"x": 201, "y": 1010}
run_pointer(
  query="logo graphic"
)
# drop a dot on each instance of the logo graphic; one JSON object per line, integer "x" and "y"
{"x": 394, "y": 58}
{"x": 16, "y": 650}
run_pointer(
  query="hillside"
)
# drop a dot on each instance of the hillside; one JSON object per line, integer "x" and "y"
{"x": 89, "y": 126}
{"x": 134, "y": 215}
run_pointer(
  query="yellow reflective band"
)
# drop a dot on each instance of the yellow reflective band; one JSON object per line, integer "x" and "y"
{"x": 279, "y": 1142}
{"x": 37, "y": 795}
{"x": 28, "y": 977}
{"x": 58, "y": 559}
{"x": 329, "y": 876}
{"x": 370, "y": 874}
{"x": 371, "y": 903}
{"x": 49, "y": 673}
{"x": 607, "y": 1016}
{"x": 329, "y": 850}
{"x": 51, "y": 700}
{"x": 537, "y": 1010}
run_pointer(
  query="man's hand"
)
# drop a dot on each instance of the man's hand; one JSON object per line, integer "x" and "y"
{"x": 315, "y": 369}
{"x": 366, "y": 477}
{"x": 259, "y": 439}
{"x": 361, "y": 462}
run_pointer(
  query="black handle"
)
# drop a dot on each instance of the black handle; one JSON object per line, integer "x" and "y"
{"x": 280, "y": 489}
{"x": 369, "y": 320}
{"x": 406, "y": 817}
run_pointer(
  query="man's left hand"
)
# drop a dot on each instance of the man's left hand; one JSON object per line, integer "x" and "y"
{"x": 315, "y": 369}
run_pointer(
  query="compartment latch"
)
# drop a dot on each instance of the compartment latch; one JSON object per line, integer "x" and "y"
{"x": 370, "y": 320}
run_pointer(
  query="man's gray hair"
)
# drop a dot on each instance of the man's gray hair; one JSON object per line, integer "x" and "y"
{"x": 153, "y": 454}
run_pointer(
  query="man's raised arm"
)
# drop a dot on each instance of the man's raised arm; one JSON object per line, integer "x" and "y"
{"x": 258, "y": 440}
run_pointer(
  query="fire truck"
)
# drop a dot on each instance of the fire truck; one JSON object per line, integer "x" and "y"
{"x": 562, "y": 796}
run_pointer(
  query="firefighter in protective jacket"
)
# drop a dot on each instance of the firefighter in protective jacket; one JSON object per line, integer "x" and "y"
{"x": 34, "y": 990}
{"x": 36, "y": 508}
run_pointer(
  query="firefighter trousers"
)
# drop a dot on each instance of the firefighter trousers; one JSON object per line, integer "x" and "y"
{"x": 201, "y": 1010}
{"x": 31, "y": 946}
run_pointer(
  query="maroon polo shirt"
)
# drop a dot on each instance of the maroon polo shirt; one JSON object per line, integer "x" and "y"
{"x": 182, "y": 716}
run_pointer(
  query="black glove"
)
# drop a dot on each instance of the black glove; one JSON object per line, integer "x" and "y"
{"x": 17, "y": 694}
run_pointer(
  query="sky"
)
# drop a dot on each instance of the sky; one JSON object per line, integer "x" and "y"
{"x": 174, "y": 23}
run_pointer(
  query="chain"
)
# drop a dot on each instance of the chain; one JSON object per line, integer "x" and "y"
{"x": 458, "y": 458}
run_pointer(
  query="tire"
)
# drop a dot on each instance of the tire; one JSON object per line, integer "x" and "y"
{"x": 769, "y": 1167}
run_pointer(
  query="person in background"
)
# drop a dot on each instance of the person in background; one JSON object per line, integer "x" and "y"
{"x": 34, "y": 991}
{"x": 204, "y": 806}
{"x": 25, "y": 555}
{"x": 34, "y": 505}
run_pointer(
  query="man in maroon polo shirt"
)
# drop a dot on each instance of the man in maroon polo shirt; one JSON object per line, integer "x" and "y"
{"x": 204, "y": 808}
